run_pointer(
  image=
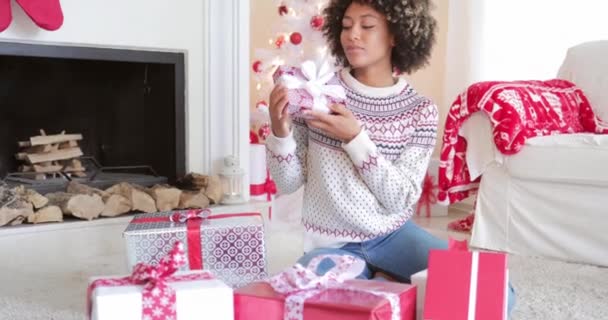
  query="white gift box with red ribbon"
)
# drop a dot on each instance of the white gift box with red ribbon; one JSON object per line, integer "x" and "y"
{"x": 261, "y": 185}
{"x": 159, "y": 292}
{"x": 195, "y": 299}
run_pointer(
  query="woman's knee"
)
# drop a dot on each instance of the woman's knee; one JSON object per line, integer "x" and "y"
{"x": 326, "y": 264}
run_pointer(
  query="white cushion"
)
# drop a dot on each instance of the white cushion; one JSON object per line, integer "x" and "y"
{"x": 566, "y": 158}
{"x": 586, "y": 65}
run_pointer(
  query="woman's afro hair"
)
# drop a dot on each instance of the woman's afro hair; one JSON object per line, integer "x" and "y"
{"x": 409, "y": 21}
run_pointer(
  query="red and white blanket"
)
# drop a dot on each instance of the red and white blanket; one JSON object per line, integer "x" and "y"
{"x": 517, "y": 110}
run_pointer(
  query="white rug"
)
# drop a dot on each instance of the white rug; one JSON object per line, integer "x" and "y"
{"x": 545, "y": 289}
{"x": 548, "y": 289}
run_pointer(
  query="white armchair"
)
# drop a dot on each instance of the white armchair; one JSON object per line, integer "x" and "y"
{"x": 551, "y": 198}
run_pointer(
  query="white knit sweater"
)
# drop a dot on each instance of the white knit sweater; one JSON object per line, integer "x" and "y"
{"x": 368, "y": 187}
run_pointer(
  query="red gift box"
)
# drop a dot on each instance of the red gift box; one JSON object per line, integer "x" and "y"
{"x": 464, "y": 285}
{"x": 299, "y": 293}
{"x": 311, "y": 87}
{"x": 259, "y": 301}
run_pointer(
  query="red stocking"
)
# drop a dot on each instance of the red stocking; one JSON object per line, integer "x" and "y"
{"x": 46, "y": 14}
{"x": 5, "y": 14}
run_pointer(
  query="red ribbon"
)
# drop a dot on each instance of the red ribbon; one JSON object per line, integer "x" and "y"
{"x": 457, "y": 245}
{"x": 193, "y": 220}
{"x": 253, "y": 138}
{"x": 428, "y": 196}
{"x": 155, "y": 284}
{"x": 268, "y": 187}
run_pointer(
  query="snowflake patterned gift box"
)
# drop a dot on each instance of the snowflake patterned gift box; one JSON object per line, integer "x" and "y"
{"x": 465, "y": 285}
{"x": 311, "y": 87}
{"x": 160, "y": 293}
{"x": 299, "y": 294}
{"x": 231, "y": 245}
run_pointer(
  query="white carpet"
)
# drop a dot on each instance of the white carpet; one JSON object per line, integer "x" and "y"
{"x": 548, "y": 289}
{"x": 545, "y": 289}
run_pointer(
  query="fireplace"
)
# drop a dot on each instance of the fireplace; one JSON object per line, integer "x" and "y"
{"x": 128, "y": 105}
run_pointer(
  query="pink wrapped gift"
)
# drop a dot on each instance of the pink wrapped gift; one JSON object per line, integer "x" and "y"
{"x": 464, "y": 285}
{"x": 298, "y": 293}
{"x": 311, "y": 87}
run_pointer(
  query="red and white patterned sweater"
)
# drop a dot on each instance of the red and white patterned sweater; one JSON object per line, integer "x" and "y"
{"x": 368, "y": 187}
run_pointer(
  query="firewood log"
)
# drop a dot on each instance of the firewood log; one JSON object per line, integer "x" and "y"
{"x": 166, "y": 197}
{"x": 114, "y": 204}
{"x": 14, "y": 208}
{"x": 31, "y": 196}
{"x": 82, "y": 206}
{"x": 193, "y": 200}
{"x": 193, "y": 182}
{"x": 214, "y": 190}
{"x": 46, "y": 214}
{"x": 140, "y": 199}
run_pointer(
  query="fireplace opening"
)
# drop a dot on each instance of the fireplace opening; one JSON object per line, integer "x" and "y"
{"x": 128, "y": 105}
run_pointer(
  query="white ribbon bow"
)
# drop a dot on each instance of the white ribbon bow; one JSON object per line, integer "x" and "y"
{"x": 315, "y": 83}
{"x": 300, "y": 283}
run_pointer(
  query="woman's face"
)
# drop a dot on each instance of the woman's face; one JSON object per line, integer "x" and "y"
{"x": 365, "y": 37}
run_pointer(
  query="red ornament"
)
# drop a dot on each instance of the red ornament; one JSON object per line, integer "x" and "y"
{"x": 280, "y": 41}
{"x": 257, "y": 66}
{"x": 296, "y": 38}
{"x": 316, "y": 22}
{"x": 264, "y": 131}
{"x": 261, "y": 104}
{"x": 253, "y": 138}
{"x": 283, "y": 10}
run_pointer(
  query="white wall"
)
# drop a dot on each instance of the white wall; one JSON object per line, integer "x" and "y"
{"x": 212, "y": 33}
{"x": 516, "y": 39}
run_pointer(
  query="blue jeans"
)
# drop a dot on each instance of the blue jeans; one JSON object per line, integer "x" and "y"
{"x": 399, "y": 254}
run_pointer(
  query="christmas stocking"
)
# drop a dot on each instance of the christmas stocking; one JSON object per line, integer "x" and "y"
{"x": 46, "y": 14}
{"x": 5, "y": 14}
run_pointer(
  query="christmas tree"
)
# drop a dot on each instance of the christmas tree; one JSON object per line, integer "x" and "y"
{"x": 296, "y": 37}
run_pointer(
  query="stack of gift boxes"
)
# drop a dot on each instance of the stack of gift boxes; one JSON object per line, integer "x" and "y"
{"x": 196, "y": 264}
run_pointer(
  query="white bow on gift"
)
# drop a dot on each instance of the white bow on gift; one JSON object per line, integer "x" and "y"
{"x": 299, "y": 283}
{"x": 315, "y": 83}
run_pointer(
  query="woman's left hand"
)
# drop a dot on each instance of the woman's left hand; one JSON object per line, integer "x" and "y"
{"x": 340, "y": 124}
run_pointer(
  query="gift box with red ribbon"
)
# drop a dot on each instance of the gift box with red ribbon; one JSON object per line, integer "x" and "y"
{"x": 465, "y": 285}
{"x": 231, "y": 246}
{"x": 159, "y": 293}
{"x": 261, "y": 187}
{"x": 298, "y": 293}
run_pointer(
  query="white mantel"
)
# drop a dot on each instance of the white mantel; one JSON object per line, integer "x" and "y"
{"x": 214, "y": 36}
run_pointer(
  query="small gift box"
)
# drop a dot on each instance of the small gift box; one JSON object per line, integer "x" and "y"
{"x": 230, "y": 245}
{"x": 311, "y": 87}
{"x": 159, "y": 292}
{"x": 298, "y": 293}
{"x": 419, "y": 280}
{"x": 428, "y": 205}
{"x": 261, "y": 187}
{"x": 465, "y": 285}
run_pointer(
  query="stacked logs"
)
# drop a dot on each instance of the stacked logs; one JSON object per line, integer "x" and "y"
{"x": 19, "y": 204}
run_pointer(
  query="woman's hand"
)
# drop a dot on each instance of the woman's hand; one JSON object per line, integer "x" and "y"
{"x": 280, "y": 122}
{"x": 340, "y": 124}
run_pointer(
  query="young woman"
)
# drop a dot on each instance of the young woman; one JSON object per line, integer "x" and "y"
{"x": 363, "y": 164}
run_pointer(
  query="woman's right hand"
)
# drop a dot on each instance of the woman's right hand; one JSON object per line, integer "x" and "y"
{"x": 280, "y": 122}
